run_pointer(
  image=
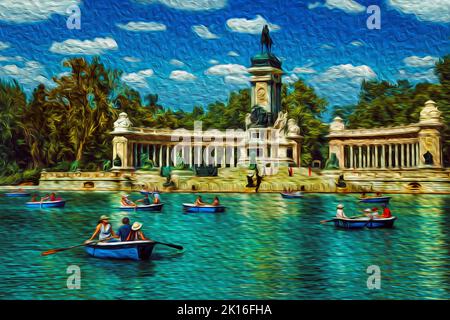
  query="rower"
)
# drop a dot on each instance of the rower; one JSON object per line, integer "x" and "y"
{"x": 340, "y": 211}
{"x": 124, "y": 230}
{"x": 145, "y": 200}
{"x": 103, "y": 230}
{"x": 199, "y": 202}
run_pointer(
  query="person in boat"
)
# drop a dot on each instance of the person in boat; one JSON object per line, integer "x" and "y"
{"x": 386, "y": 212}
{"x": 340, "y": 211}
{"x": 124, "y": 230}
{"x": 103, "y": 230}
{"x": 375, "y": 213}
{"x": 34, "y": 198}
{"x": 156, "y": 198}
{"x": 199, "y": 202}
{"x": 363, "y": 195}
{"x": 51, "y": 197}
{"x": 216, "y": 202}
{"x": 136, "y": 234}
{"x": 378, "y": 194}
{"x": 145, "y": 201}
{"x": 125, "y": 202}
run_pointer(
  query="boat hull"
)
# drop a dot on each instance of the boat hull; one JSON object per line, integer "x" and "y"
{"x": 47, "y": 204}
{"x": 364, "y": 223}
{"x": 151, "y": 207}
{"x": 196, "y": 209}
{"x": 17, "y": 195}
{"x": 130, "y": 250}
{"x": 375, "y": 200}
{"x": 292, "y": 195}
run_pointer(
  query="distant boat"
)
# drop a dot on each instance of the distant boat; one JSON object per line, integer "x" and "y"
{"x": 206, "y": 208}
{"x": 150, "y": 207}
{"x": 46, "y": 204}
{"x": 375, "y": 199}
{"x": 359, "y": 223}
{"x": 292, "y": 195}
{"x": 129, "y": 250}
{"x": 17, "y": 194}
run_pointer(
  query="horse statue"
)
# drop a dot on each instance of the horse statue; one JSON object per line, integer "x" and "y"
{"x": 266, "y": 40}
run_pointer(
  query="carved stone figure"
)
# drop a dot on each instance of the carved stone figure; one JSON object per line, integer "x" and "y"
{"x": 248, "y": 120}
{"x": 122, "y": 123}
{"x": 117, "y": 161}
{"x": 259, "y": 117}
{"x": 281, "y": 122}
{"x": 428, "y": 158}
{"x": 293, "y": 129}
{"x": 430, "y": 113}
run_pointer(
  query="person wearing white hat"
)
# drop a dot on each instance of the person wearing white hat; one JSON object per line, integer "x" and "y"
{"x": 125, "y": 202}
{"x": 103, "y": 230}
{"x": 340, "y": 211}
{"x": 136, "y": 234}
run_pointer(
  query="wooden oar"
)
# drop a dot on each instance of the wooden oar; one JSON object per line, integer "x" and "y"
{"x": 325, "y": 221}
{"x": 170, "y": 245}
{"x": 53, "y": 251}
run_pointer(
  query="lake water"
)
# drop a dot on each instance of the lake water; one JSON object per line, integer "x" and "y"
{"x": 262, "y": 247}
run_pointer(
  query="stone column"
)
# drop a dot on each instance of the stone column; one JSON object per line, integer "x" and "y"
{"x": 418, "y": 162}
{"x": 397, "y": 158}
{"x": 232, "y": 164}
{"x": 160, "y": 161}
{"x": 375, "y": 164}
{"x": 359, "y": 157}
{"x": 350, "y": 156}
{"x": 408, "y": 150}
{"x": 402, "y": 154}
{"x": 383, "y": 156}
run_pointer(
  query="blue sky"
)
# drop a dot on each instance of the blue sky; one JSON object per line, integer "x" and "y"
{"x": 194, "y": 52}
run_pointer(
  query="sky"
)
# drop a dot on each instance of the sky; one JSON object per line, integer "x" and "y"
{"x": 195, "y": 52}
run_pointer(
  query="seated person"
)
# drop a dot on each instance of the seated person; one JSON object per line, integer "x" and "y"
{"x": 124, "y": 230}
{"x": 34, "y": 198}
{"x": 378, "y": 194}
{"x": 199, "y": 202}
{"x": 156, "y": 198}
{"x": 363, "y": 195}
{"x": 340, "y": 211}
{"x": 145, "y": 201}
{"x": 136, "y": 234}
{"x": 125, "y": 202}
{"x": 216, "y": 202}
{"x": 386, "y": 212}
{"x": 375, "y": 213}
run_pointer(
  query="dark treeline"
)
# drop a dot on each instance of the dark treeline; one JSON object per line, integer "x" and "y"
{"x": 67, "y": 126}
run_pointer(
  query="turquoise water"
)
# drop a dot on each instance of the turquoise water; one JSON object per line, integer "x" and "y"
{"x": 262, "y": 247}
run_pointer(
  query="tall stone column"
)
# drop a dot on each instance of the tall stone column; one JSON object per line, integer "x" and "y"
{"x": 397, "y": 156}
{"x": 359, "y": 157}
{"x": 383, "y": 156}
{"x": 376, "y": 156}
{"x": 350, "y": 155}
{"x": 124, "y": 149}
{"x": 408, "y": 157}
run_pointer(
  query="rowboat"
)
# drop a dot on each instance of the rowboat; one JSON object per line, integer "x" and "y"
{"x": 17, "y": 194}
{"x": 375, "y": 200}
{"x": 150, "y": 207}
{"x": 143, "y": 192}
{"x": 360, "y": 223}
{"x": 129, "y": 250}
{"x": 292, "y": 195}
{"x": 46, "y": 204}
{"x": 206, "y": 208}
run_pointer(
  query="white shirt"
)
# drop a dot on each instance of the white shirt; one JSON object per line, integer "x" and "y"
{"x": 340, "y": 213}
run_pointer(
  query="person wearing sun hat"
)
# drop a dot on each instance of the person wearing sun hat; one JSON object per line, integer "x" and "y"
{"x": 125, "y": 202}
{"x": 136, "y": 234}
{"x": 103, "y": 230}
{"x": 340, "y": 211}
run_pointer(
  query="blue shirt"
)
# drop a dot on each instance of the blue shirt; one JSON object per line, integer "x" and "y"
{"x": 124, "y": 231}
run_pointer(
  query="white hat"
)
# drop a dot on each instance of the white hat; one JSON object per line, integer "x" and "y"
{"x": 136, "y": 226}
{"x": 340, "y": 206}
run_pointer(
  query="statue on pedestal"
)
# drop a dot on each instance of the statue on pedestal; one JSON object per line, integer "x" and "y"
{"x": 293, "y": 128}
{"x": 122, "y": 123}
{"x": 266, "y": 40}
{"x": 259, "y": 117}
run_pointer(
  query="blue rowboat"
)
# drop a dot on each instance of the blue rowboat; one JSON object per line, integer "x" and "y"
{"x": 206, "y": 208}
{"x": 293, "y": 195}
{"x": 150, "y": 207}
{"x": 17, "y": 194}
{"x": 361, "y": 223}
{"x": 129, "y": 250}
{"x": 47, "y": 204}
{"x": 375, "y": 200}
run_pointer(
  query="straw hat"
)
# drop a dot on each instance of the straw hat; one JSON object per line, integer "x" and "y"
{"x": 367, "y": 210}
{"x": 103, "y": 217}
{"x": 340, "y": 206}
{"x": 124, "y": 196}
{"x": 136, "y": 226}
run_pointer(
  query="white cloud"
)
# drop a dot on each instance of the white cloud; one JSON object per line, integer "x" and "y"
{"x": 231, "y": 73}
{"x": 88, "y": 47}
{"x": 181, "y": 75}
{"x": 213, "y": 61}
{"x": 16, "y": 58}
{"x": 131, "y": 59}
{"x": 327, "y": 46}
{"x": 4, "y": 45}
{"x": 176, "y": 63}
{"x": 204, "y": 33}
{"x": 428, "y": 10}
{"x": 418, "y": 62}
{"x": 349, "y": 6}
{"x": 304, "y": 70}
{"x": 354, "y": 74}
{"x": 233, "y": 54}
{"x": 314, "y": 5}
{"x": 26, "y": 11}
{"x": 255, "y": 26}
{"x": 357, "y": 43}
{"x": 30, "y": 74}
{"x": 141, "y": 26}
{"x": 138, "y": 79}
{"x": 190, "y": 5}
{"x": 290, "y": 79}
{"x": 419, "y": 76}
